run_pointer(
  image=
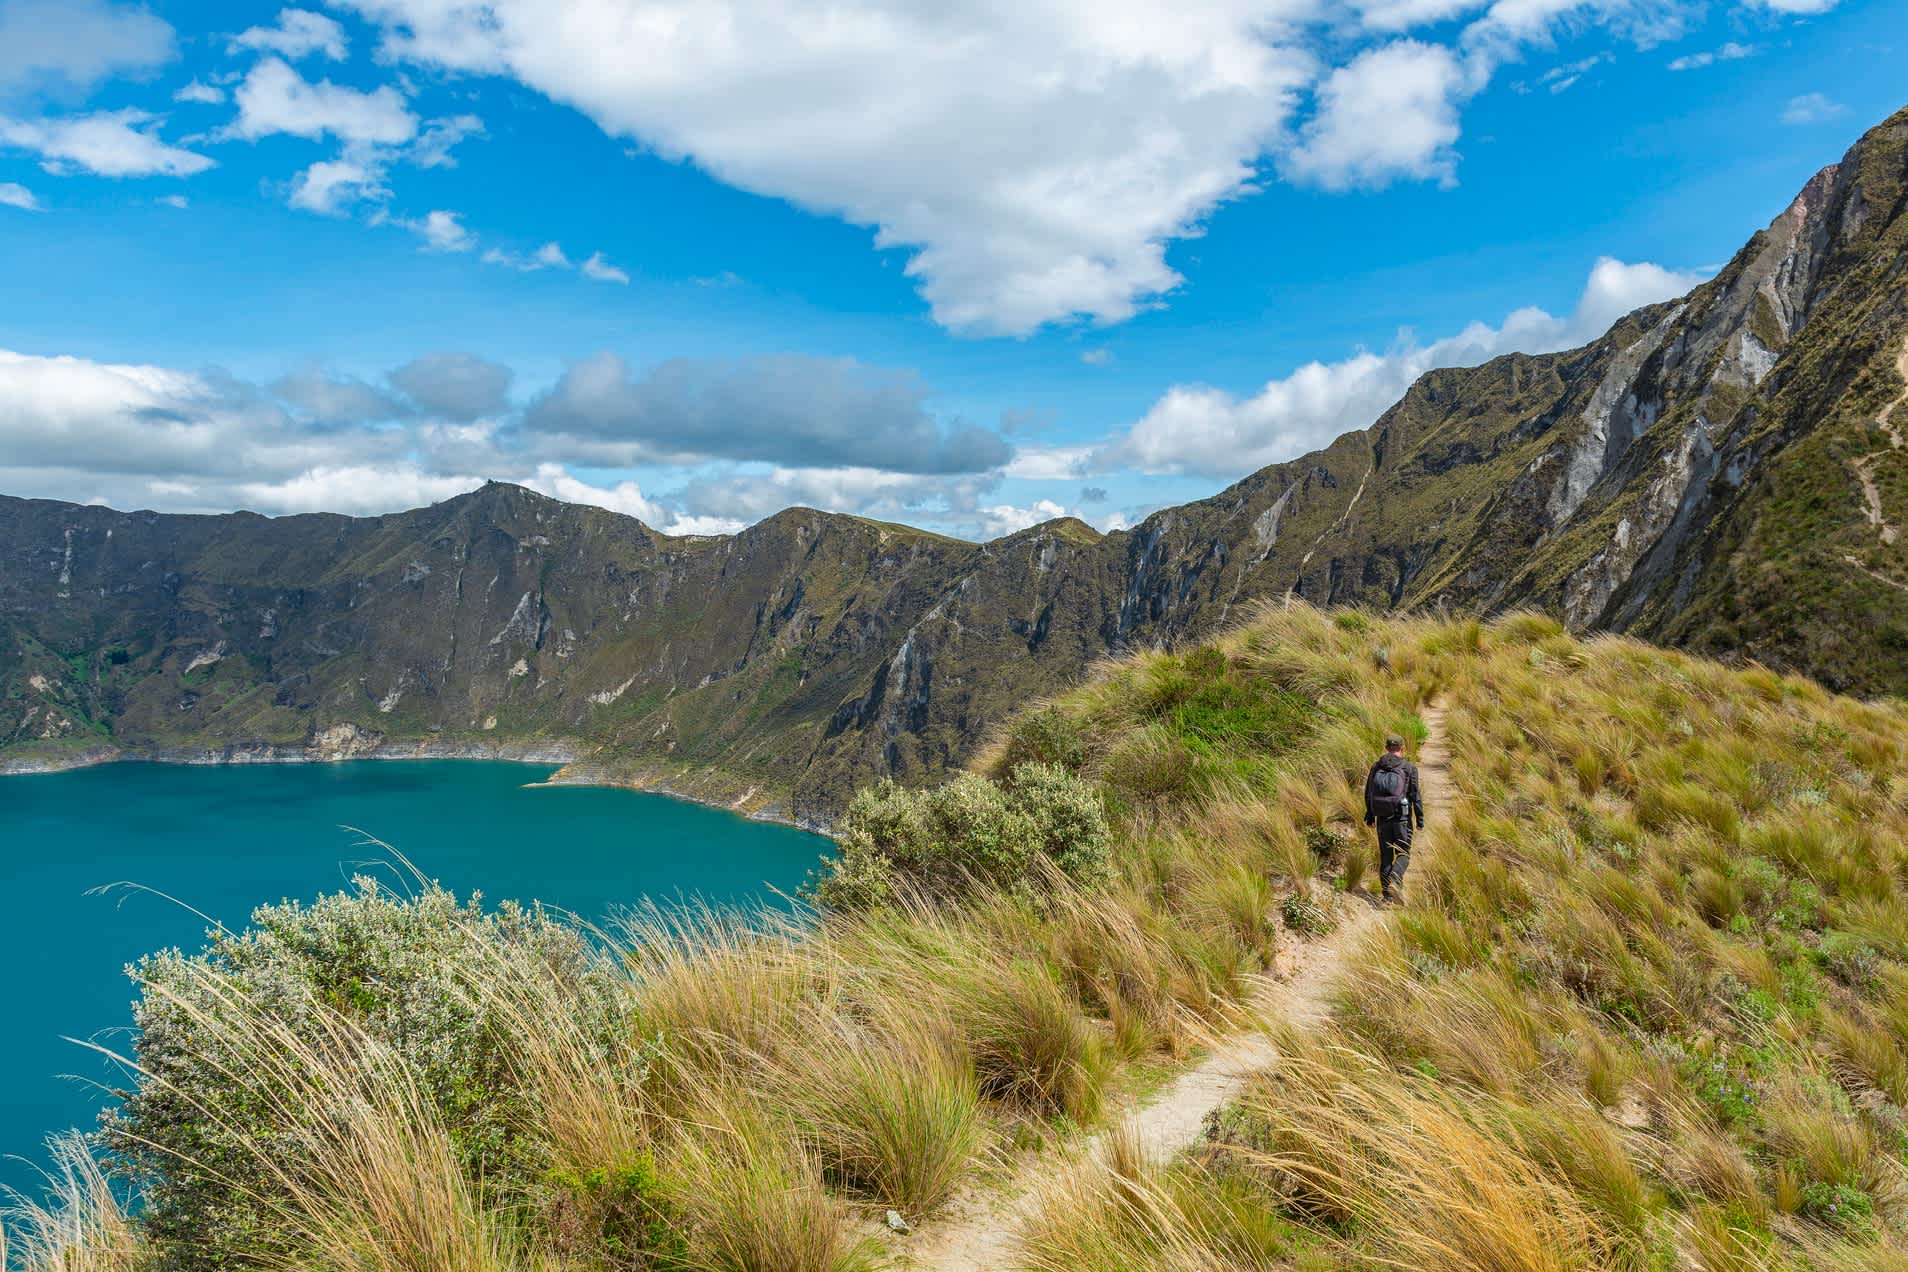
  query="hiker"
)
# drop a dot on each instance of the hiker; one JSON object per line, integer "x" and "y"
{"x": 1392, "y": 803}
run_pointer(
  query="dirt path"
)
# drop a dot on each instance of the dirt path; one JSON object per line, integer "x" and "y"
{"x": 979, "y": 1231}
{"x": 1865, "y": 466}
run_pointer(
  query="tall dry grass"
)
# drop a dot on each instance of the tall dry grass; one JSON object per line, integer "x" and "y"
{"x": 1648, "y": 1003}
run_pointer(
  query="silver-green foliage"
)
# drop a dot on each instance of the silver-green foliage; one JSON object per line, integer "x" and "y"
{"x": 209, "y": 1109}
{"x": 942, "y": 841}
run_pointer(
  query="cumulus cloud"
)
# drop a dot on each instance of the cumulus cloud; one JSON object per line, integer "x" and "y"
{"x": 1811, "y": 108}
{"x": 1004, "y": 519}
{"x": 1392, "y": 110}
{"x": 328, "y": 399}
{"x": 299, "y": 33}
{"x": 1150, "y": 115}
{"x": 330, "y": 185}
{"x": 1402, "y": 15}
{"x": 145, "y": 436}
{"x": 625, "y": 497}
{"x": 440, "y": 230}
{"x": 1205, "y": 430}
{"x": 119, "y": 143}
{"x": 1802, "y": 8}
{"x": 1106, "y": 131}
{"x": 729, "y": 499}
{"x": 787, "y": 409}
{"x": 200, "y": 93}
{"x": 71, "y": 45}
{"x": 15, "y": 195}
{"x": 273, "y": 98}
{"x": 456, "y": 386}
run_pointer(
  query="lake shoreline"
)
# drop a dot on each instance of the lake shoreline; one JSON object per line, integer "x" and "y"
{"x": 576, "y": 766}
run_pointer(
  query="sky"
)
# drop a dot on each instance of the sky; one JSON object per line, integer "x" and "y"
{"x": 965, "y": 264}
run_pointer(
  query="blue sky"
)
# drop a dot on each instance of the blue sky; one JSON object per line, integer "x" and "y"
{"x": 966, "y": 264}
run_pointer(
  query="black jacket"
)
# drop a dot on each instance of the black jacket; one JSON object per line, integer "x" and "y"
{"x": 1414, "y": 800}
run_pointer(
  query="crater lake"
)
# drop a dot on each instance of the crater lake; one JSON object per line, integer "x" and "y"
{"x": 99, "y": 866}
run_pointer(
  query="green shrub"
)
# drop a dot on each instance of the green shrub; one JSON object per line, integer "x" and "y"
{"x": 1046, "y": 736}
{"x": 944, "y": 841}
{"x": 619, "y": 1215}
{"x": 1848, "y": 958}
{"x": 207, "y": 1103}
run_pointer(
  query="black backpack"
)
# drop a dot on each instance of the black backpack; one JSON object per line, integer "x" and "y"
{"x": 1387, "y": 790}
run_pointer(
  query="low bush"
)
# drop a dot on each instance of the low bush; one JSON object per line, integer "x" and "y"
{"x": 947, "y": 841}
{"x": 234, "y": 1039}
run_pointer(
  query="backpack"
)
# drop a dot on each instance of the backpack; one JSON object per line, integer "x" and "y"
{"x": 1387, "y": 790}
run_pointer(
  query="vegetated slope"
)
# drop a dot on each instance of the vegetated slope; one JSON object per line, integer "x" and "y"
{"x": 1647, "y": 1005}
{"x": 1716, "y": 472}
{"x": 383, "y": 1082}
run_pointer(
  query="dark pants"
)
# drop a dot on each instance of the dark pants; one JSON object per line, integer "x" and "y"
{"x": 1394, "y": 852}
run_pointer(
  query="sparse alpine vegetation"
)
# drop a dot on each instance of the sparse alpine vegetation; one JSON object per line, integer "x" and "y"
{"x": 1647, "y": 1007}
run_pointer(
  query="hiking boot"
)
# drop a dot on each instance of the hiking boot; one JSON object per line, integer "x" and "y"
{"x": 1393, "y": 896}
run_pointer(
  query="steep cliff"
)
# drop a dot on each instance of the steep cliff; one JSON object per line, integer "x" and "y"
{"x": 1727, "y": 472}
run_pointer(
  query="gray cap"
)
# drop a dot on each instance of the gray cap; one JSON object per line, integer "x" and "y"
{"x": 1393, "y": 742}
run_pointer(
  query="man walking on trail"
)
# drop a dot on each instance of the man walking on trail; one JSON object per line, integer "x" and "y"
{"x": 1392, "y": 803}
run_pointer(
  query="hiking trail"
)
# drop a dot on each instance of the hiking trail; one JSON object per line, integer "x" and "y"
{"x": 979, "y": 1230}
{"x": 1865, "y": 466}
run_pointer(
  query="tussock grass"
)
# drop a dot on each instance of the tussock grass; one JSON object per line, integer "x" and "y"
{"x": 1647, "y": 1007}
{"x": 1649, "y": 1004}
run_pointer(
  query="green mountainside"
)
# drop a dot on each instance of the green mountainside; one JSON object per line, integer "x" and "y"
{"x": 1721, "y": 472}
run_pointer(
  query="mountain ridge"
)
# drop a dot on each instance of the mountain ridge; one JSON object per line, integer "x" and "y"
{"x": 1709, "y": 473}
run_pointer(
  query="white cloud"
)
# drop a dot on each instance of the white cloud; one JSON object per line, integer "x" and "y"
{"x": 1005, "y": 519}
{"x": 598, "y": 267}
{"x": 1392, "y": 111}
{"x": 200, "y": 93}
{"x": 298, "y": 34}
{"x": 1730, "y": 52}
{"x": 549, "y": 256}
{"x": 120, "y": 143}
{"x": 1106, "y": 129}
{"x": 74, "y": 44}
{"x": 434, "y": 144}
{"x": 1811, "y": 108}
{"x": 14, "y": 195}
{"x": 732, "y": 499}
{"x": 273, "y": 98}
{"x": 1049, "y": 463}
{"x": 357, "y": 490}
{"x": 1097, "y": 357}
{"x": 625, "y": 497}
{"x": 1798, "y": 7}
{"x": 1402, "y": 15}
{"x": 441, "y": 231}
{"x": 145, "y": 436}
{"x": 178, "y": 201}
{"x": 329, "y": 185}
{"x": 1205, "y": 430}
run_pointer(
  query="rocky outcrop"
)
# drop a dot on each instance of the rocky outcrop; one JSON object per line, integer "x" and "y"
{"x": 1707, "y": 473}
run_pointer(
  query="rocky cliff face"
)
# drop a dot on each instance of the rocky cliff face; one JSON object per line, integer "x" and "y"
{"x": 1725, "y": 472}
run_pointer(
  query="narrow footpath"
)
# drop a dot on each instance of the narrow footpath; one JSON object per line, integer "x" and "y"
{"x": 978, "y": 1231}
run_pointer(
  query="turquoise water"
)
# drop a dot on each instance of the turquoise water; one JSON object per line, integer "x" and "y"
{"x": 224, "y": 840}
